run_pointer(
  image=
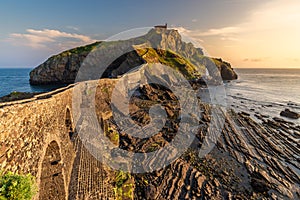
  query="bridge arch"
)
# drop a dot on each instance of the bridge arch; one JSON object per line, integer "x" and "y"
{"x": 52, "y": 184}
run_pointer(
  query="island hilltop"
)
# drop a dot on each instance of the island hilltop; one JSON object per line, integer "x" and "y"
{"x": 62, "y": 68}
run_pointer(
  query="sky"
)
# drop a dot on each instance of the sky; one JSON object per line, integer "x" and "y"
{"x": 246, "y": 33}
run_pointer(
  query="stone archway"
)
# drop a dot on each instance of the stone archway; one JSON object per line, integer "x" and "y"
{"x": 52, "y": 180}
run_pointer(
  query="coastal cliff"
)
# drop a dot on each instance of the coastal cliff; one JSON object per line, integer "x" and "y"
{"x": 63, "y": 68}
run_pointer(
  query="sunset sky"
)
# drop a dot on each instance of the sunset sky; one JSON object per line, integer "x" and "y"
{"x": 246, "y": 33}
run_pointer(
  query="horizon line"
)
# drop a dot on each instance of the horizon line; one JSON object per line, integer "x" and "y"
{"x": 26, "y": 67}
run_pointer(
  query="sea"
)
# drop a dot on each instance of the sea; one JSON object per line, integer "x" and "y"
{"x": 17, "y": 79}
{"x": 263, "y": 91}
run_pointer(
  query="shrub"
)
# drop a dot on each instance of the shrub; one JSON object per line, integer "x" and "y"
{"x": 14, "y": 186}
{"x": 123, "y": 186}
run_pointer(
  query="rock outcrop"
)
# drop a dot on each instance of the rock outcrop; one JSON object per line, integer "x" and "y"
{"x": 251, "y": 160}
{"x": 63, "y": 68}
{"x": 14, "y": 96}
{"x": 289, "y": 114}
{"x": 227, "y": 73}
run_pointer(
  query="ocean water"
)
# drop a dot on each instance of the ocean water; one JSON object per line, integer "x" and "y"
{"x": 265, "y": 91}
{"x": 17, "y": 79}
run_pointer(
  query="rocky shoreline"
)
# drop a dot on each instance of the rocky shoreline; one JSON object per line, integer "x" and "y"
{"x": 251, "y": 160}
{"x": 264, "y": 111}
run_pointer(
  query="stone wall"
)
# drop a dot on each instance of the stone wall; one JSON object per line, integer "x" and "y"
{"x": 27, "y": 128}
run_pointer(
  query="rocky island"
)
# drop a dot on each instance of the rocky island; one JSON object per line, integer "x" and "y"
{"x": 63, "y": 68}
{"x": 250, "y": 159}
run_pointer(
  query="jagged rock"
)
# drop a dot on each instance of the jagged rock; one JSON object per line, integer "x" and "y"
{"x": 259, "y": 185}
{"x": 289, "y": 114}
{"x": 227, "y": 72}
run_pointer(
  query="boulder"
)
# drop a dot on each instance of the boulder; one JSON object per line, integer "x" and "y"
{"x": 289, "y": 114}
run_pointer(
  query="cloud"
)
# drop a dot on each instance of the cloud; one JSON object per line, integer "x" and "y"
{"x": 182, "y": 29}
{"x": 254, "y": 59}
{"x": 43, "y": 38}
{"x": 194, "y": 20}
{"x": 268, "y": 35}
{"x": 293, "y": 59}
{"x": 187, "y": 35}
{"x": 230, "y": 38}
{"x": 224, "y": 31}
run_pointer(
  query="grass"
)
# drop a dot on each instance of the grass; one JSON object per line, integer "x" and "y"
{"x": 15, "y": 93}
{"x": 124, "y": 186}
{"x": 16, "y": 187}
{"x": 170, "y": 58}
{"x": 87, "y": 48}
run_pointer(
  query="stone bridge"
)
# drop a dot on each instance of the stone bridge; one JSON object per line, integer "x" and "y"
{"x": 37, "y": 137}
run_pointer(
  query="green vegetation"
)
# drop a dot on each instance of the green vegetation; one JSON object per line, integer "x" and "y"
{"x": 217, "y": 62}
{"x": 105, "y": 90}
{"x": 88, "y": 48}
{"x": 113, "y": 135}
{"x": 123, "y": 186}
{"x": 121, "y": 177}
{"x": 14, "y": 96}
{"x": 15, "y": 93}
{"x": 153, "y": 147}
{"x": 191, "y": 156}
{"x": 170, "y": 58}
{"x": 179, "y": 63}
{"x": 17, "y": 187}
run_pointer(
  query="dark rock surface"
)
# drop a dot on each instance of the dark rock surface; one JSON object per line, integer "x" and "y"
{"x": 14, "y": 96}
{"x": 250, "y": 160}
{"x": 226, "y": 70}
{"x": 61, "y": 68}
{"x": 289, "y": 114}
